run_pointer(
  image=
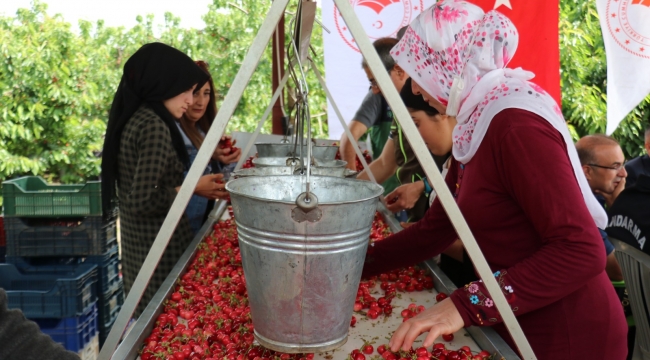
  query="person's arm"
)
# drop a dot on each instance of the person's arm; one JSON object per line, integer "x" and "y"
{"x": 384, "y": 166}
{"x": 366, "y": 116}
{"x": 405, "y": 196}
{"x": 346, "y": 148}
{"x": 572, "y": 252}
{"x": 610, "y": 198}
{"x": 224, "y": 156}
{"x": 147, "y": 196}
{"x": 22, "y": 339}
{"x": 424, "y": 239}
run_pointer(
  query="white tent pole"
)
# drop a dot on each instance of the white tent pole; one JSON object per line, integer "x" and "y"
{"x": 355, "y": 145}
{"x": 196, "y": 171}
{"x": 265, "y": 116}
{"x": 434, "y": 176}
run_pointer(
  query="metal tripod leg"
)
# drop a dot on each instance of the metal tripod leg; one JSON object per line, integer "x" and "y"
{"x": 433, "y": 175}
{"x": 267, "y": 112}
{"x": 355, "y": 145}
{"x": 187, "y": 189}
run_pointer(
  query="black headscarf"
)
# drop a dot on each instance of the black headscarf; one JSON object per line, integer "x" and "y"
{"x": 156, "y": 72}
{"x": 415, "y": 102}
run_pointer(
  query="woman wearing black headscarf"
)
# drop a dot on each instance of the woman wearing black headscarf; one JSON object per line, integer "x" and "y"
{"x": 144, "y": 157}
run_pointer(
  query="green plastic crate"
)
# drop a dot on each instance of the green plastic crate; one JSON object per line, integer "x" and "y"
{"x": 31, "y": 196}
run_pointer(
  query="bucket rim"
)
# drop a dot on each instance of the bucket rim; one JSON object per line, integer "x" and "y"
{"x": 287, "y": 144}
{"x": 269, "y": 161}
{"x": 379, "y": 189}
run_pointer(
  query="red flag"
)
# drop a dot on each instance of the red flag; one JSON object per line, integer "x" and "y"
{"x": 539, "y": 48}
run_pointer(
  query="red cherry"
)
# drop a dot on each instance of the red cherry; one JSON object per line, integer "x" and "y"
{"x": 441, "y": 296}
{"x": 448, "y": 337}
{"x": 373, "y": 314}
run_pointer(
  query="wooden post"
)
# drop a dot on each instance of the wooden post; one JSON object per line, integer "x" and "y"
{"x": 278, "y": 73}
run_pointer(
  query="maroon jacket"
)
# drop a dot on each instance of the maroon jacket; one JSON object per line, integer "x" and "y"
{"x": 523, "y": 204}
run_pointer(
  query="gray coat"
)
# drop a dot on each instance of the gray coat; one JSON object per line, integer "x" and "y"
{"x": 149, "y": 170}
{"x": 22, "y": 339}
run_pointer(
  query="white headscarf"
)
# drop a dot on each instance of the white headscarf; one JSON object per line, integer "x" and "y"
{"x": 458, "y": 54}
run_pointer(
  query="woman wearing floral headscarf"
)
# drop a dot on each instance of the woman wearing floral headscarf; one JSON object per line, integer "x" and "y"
{"x": 517, "y": 180}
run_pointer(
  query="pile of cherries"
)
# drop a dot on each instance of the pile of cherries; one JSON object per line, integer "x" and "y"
{"x": 227, "y": 144}
{"x": 208, "y": 317}
{"x": 438, "y": 352}
{"x": 249, "y": 163}
{"x": 357, "y": 163}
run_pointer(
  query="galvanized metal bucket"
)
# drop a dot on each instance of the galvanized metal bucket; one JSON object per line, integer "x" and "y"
{"x": 287, "y": 170}
{"x": 321, "y": 152}
{"x": 295, "y": 162}
{"x": 302, "y": 263}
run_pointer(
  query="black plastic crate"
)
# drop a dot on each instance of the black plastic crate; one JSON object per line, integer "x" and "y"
{"x": 74, "y": 333}
{"x": 109, "y": 304}
{"x": 52, "y": 295}
{"x": 59, "y": 237}
{"x": 3, "y": 237}
{"x": 108, "y": 272}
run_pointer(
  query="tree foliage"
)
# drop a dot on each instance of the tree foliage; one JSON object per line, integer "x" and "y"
{"x": 57, "y": 81}
{"x": 584, "y": 79}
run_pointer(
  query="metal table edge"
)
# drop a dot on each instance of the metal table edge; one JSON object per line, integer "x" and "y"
{"x": 130, "y": 345}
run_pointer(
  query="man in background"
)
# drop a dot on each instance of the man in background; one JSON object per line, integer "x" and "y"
{"x": 602, "y": 161}
{"x": 374, "y": 115}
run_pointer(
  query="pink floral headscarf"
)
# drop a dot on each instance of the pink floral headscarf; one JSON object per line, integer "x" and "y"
{"x": 458, "y": 54}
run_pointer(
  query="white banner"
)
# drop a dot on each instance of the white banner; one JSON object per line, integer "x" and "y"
{"x": 345, "y": 78}
{"x": 626, "y": 31}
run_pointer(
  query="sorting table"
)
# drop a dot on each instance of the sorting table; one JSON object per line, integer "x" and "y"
{"x": 377, "y": 331}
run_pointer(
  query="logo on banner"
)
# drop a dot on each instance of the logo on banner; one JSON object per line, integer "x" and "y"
{"x": 380, "y": 18}
{"x": 628, "y": 22}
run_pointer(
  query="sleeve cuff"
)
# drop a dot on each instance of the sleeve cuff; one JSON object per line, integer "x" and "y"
{"x": 458, "y": 299}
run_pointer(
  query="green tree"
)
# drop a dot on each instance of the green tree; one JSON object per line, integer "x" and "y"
{"x": 52, "y": 107}
{"x": 57, "y": 85}
{"x": 584, "y": 79}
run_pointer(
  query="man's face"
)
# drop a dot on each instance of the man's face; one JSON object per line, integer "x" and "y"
{"x": 607, "y": 171}
{"x": 396, "y": 76}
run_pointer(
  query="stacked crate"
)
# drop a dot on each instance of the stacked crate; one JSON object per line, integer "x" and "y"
{"x": 3, "y": 240}
{"x": 59, "y": 244}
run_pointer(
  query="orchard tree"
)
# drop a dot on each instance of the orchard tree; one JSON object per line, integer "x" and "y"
{"x": 52, "y": 117}
{"x": 57, "y": 84}
{"x": 584, "y": 79}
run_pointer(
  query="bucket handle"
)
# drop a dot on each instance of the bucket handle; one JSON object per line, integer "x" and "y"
{"x": 306, "y": 208}
{"x": 307, "y": 203}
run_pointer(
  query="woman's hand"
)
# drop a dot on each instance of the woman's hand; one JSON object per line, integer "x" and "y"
{"x": 405, "y": 225}
{"x": 226, "y": 155}
{"x": 211, "y": 186}
{"x": 404, "y": 197}
{"x": 610, "y": 198}
{"x": 441, "y": 318}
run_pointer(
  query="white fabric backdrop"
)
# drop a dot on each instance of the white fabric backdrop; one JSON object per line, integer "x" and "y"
{"x": 626, "y": 31}
{"x": 345, "y": 78}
